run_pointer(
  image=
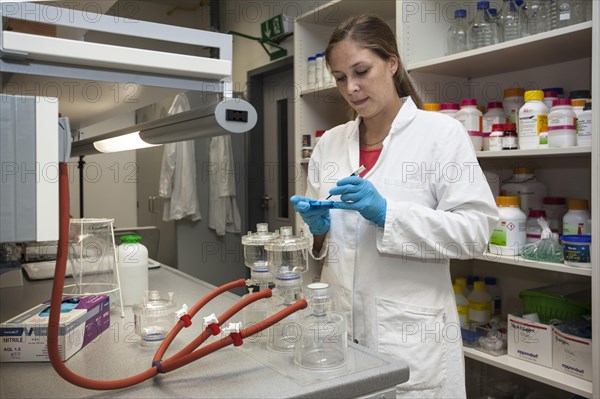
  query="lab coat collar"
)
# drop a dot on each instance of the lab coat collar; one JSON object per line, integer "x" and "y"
{"x": 407, "y": 113}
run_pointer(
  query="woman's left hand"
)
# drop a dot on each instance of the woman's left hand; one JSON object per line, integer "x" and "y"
{"x": 360, "y": 195}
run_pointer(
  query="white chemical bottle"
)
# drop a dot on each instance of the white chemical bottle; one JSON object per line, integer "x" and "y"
{"x": 524, "y": 184}
{"x": 533, "y": 120}
{"x": 509, "y": 235}
{"x": 462, "y": 306}
{"x": 480, "y": 305}
{"x": 471, "y": 118}
{"x": 133, "y": 269}
{"x": 576, "y": 219}
{"x": 584, "y": 126}
{"x": 562, "y": 124}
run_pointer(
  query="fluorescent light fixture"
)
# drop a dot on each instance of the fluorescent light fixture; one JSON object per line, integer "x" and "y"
{"x": 131, "y": 141}
{"x": 232, "y": 115}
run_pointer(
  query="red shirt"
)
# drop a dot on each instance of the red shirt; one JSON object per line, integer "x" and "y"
{"x": 369, "y": 159}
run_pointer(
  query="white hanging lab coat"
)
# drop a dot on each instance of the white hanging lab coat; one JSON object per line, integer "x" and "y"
{"x": 393, "y": 283}
{"x": 177, "y": 182}
{"x": 223, "y": 215}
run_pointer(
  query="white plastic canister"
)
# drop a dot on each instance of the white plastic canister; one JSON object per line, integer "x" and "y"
{"x": 524, "y": 184}
{"x": 470, "y": 116}
{"x": 133, "y": 269}
{"x": 534, "y": 230}
{"x": 562, "y": 121}
{"x": 509, "y": 235}
{"x": 533, "y": 120}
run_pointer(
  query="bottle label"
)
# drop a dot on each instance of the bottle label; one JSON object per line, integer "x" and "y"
{"x": 472, "y": 123}
{"x": 574, "y": 229}
{"x": 489, "y": 121}
{"x": 562, "y": 121}
{"x": 531, "y": 126}
{"x": 584, "y": 127}
{"x": 508, "y": 233}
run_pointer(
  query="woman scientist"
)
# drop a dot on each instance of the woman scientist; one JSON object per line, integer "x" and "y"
{"x": 422, "y": 200}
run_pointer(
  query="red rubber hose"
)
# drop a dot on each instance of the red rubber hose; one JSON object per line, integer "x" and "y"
{"x": 171, "y": 363}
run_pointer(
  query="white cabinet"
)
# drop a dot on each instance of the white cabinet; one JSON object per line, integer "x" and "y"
{"x": 559, "y": 58}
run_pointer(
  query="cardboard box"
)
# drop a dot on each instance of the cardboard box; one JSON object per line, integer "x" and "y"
{"x": 529, "y": 341}
{"x": 24, "y": 337}
{"x": 571, "y": 354}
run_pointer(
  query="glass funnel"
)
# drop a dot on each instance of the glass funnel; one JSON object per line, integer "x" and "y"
{"x": 287, "y": 254}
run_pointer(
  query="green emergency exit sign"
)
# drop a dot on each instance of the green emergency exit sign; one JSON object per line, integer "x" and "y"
{"x": 272, "y": 28}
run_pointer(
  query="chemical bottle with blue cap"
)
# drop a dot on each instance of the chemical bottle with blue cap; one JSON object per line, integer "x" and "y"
{"x": 132, "y": 258}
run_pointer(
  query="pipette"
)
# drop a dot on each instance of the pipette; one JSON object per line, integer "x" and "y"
{"x": 357, "y": 172}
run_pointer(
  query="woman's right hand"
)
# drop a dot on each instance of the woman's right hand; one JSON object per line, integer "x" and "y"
{"x": 317, "y": 219}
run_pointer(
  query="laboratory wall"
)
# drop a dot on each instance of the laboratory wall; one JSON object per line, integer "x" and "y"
{"x": 245, "y": 17}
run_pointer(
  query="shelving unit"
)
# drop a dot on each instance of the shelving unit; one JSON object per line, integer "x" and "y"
{"x": 562, "y": 57}
{"x": 543, "y": 374}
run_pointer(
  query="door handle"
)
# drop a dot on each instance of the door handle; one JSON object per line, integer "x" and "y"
{"x": 265, "y": 201}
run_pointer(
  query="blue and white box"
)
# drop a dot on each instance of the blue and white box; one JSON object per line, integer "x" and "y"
{"x": 24, "y": 338}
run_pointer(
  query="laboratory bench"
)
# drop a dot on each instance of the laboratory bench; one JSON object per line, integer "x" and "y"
{"x": 227, "y": 373}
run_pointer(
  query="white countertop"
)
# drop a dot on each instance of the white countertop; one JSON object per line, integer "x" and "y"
{"x": 227, "y": 373}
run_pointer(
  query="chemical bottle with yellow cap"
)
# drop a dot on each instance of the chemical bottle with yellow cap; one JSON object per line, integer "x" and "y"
{"x": 576, "y": 219}
{"x": 510, "y": 233}
{"x": 533, "y": 121}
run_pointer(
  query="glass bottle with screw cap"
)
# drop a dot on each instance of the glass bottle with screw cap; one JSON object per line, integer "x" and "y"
{"x": 510, "y": 138}
{"x": 456, "y": 40}
{"x": 323, "y": 340}
{"x": 509, "y": 235}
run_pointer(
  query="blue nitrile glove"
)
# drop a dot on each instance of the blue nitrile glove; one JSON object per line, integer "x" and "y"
{"x": 317, "y": 219}
{"x": 360, "y": 195}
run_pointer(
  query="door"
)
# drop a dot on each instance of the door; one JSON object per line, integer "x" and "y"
{"x": 278, "y": 93}
{"x": 150, "y": 205}
{"x": 270, "y": 168}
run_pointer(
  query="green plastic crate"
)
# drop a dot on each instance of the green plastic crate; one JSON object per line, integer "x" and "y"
{"x": 551, "y": 305}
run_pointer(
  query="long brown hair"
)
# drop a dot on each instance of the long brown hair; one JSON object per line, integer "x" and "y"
{"x": 373, "y": 33}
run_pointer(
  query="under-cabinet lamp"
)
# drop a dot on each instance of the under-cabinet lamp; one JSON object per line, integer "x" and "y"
{"x": 232, "y": 115}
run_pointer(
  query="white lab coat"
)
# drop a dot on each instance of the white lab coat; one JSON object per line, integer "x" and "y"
{"x": 223, "y": 215}
{"x": 177, "y": 183}
{"x": 393, "y": 283}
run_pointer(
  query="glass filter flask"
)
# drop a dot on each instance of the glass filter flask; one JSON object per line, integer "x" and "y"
{"x": 255, "y": 258}
{"x": 288, "y": 260}
{"x": 323, "y": 341}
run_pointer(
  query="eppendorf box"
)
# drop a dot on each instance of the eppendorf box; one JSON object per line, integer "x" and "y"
{"x": 572, "y": 355}
{"x": 530, "y": 341}
{"x": 24, "y": 337}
